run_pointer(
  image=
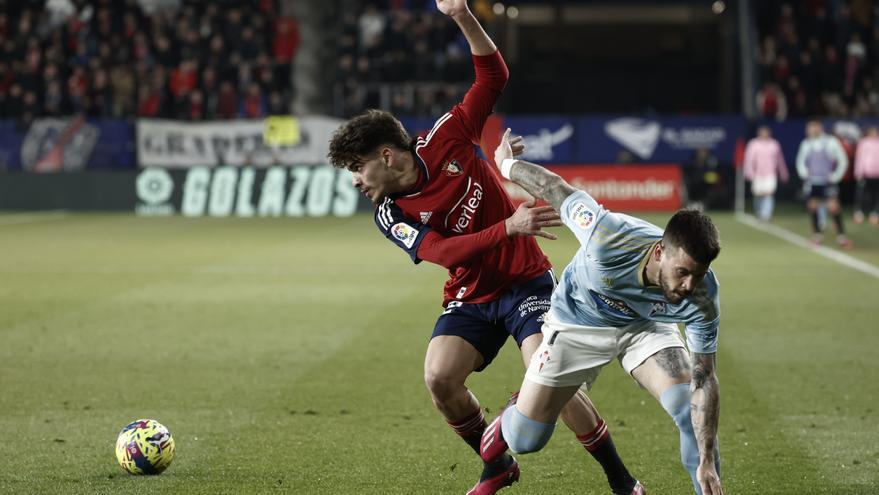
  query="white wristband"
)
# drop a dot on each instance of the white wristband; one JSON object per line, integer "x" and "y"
{"x": 506, "y": 166}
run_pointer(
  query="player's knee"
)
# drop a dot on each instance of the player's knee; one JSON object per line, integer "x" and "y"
{"x": 442, "y": 385}
{"x": 676, "y": 402}
{"x": 524, "y": 435}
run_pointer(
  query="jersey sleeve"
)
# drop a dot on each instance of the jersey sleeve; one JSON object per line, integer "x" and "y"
{"x": 702, "y": 331}
{"x": 579, "y": 213}
{"x": 702, "y": 337}
{"x": 400, "y": 229}
{"x": 470, "y": 115}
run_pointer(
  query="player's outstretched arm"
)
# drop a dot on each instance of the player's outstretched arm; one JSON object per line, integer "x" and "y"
{"x": 538, "y": 181}
{"x": 480, "y": 43}
{"x": 705, "y": 413}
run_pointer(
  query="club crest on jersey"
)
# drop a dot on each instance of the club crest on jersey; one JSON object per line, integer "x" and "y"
{"x": 452, "y": 169}
{"x": 405, "y": 234}
{"x": 657, "y": 308}
{"x": 543, "y": 360}
{"x": 582, "y": 215}
{"x": 425, "y": 216}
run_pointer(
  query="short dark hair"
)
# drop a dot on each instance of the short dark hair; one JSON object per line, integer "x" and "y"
{"x": 694, "y": 232}
{"x": 364, "y": 134}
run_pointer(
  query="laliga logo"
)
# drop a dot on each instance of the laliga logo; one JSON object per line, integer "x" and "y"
{"x": 583, "y": 216}
{"x": 404, "y": 234}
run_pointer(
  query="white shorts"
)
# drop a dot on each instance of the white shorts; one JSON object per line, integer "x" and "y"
{"x": 573, "y": 355}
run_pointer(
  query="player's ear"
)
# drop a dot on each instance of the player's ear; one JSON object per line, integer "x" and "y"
{"x": 657, "y": 251}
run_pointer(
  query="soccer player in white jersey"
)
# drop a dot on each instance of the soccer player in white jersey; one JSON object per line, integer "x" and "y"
{"x": 621, "y": 297}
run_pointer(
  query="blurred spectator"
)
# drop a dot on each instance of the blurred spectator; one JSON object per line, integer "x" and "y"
{"x": 705, "y": 182}
{"x": 227, "y": 101}
{"x": 867, "y": 175}
{"x": 764, "y": 166}
{"x": 771, "y": 102}
{"x": 253, "y": 105}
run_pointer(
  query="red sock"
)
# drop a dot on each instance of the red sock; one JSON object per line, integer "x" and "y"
{"x": 596, "y": 437}
{"x": 600, "y": 445}
{"x": 470, "y": 428}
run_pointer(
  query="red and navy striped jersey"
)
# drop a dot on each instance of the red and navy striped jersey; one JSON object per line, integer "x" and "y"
{"x": 459, "y": 193}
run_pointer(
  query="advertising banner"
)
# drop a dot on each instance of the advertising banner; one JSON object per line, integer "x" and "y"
{"x": 66, "y": 144}
{"x": 656, "y": 140}
{"x": 546, "y": 139}
{"x": 299, "y": 191}
{"x": 621, "y": 187}
{"x": 174, "y": 144}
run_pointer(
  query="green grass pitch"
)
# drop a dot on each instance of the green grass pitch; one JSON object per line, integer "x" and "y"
{"x": 285, "y": 356}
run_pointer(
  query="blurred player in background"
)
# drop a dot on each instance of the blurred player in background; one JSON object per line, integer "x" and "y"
{"x": 764, "y": 166}
{"x": 867, "y": 175}
{"x": 622, "y": 296}
{"x": 439, "y": 202}
{"x": 821, "y": 164}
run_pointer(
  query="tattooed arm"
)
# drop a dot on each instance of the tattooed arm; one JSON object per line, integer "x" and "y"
{"x": 538, "y": 181}
{"x": 705, "y": 412}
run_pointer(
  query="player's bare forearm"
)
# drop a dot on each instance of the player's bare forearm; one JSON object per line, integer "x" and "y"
{"x": 705, "y": 405}
{"x": 480, "y": 43}
{"x": 541, "y": 183}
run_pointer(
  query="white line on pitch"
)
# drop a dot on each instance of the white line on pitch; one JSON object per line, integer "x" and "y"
{"x": 31, "y": 217}
{"x": 798, "y": 240}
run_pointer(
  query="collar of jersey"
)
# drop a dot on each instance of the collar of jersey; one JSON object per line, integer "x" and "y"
{"x": 423, "y": 177}
{"x": 643, "y": 264}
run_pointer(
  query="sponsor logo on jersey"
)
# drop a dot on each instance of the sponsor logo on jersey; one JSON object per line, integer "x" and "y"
{"x": 657, "y": 308}
{"x": 425, "y": 216}
{"x": 582, "y": 215}
{"x": 607, "y": 281}
{"x": 470, "y": 203}
{"x": 461, "y": 292}
{"x": 612, "y": 305}
{"x": 405, "y": 234}
{"x": 452, "y": 169}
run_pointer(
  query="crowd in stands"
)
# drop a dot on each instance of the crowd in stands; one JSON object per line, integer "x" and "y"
{"x": 185, "y": 60}
{"x": 818, "y": 57}
{"x": 403, "y": 56}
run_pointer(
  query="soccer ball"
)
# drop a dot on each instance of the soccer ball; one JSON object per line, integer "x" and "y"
{"x": 144, "y": 447}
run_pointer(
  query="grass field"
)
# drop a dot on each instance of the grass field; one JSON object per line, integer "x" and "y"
{"x": 285, "y": 356}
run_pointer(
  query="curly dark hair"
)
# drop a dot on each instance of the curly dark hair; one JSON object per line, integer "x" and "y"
{"x": 694, "y": 232}
{"x": 363, "y": 135}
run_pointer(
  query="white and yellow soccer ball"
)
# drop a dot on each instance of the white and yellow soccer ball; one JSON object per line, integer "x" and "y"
{"x": 144, "y": 447}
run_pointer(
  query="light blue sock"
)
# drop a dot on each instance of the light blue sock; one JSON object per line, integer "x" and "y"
{"x": 676, "y": 402}
{"x": 523, "y": 434}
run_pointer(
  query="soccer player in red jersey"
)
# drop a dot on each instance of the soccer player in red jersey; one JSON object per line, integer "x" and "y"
{"x": 439, "y": 202}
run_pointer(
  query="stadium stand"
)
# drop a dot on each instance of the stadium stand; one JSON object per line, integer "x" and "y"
{"x": 400, "y": 56}
{"x": 186, "y": 60}
{"x": 817, "y": 57}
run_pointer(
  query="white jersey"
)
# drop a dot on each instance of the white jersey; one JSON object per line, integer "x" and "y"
{"x": 603, "y": 286}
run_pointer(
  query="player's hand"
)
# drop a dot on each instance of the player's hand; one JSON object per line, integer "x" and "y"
{"x": 509, "y": 147}
{"x": 452, "y": 8}
{"x": 530, "y": 220}
{"x": 517, "y": 144}
{"x": 706, "y": 475}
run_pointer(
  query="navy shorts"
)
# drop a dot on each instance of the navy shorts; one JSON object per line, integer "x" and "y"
{"x": 519, "y": 312}
{"x": 823, "y": 191}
